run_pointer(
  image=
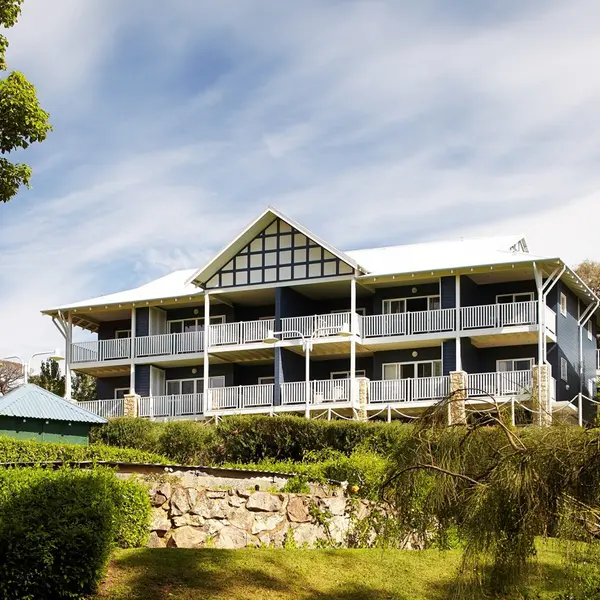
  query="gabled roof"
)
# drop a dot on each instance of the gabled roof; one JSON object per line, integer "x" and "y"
{"x": 449, "y": 254}
{"x": 173, "y": 285}
{"x": 251, "y": 231}
{"x": 33, "y": 402}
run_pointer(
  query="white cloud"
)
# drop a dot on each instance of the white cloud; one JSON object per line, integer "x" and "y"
{"x": 373, "y": 124}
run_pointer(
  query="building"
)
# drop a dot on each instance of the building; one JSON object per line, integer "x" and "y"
{"x": 389, "y": 330}
{"x": 30, "y": 412}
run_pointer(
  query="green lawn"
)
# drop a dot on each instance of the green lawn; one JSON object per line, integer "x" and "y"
{"x": 209, "y": 574}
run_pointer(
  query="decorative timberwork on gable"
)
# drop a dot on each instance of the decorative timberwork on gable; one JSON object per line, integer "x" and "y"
{"x": 279, "y": 253}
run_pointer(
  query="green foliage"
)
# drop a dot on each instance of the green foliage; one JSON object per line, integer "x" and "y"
{"x": 296, "y": 485}
{"x": 83, "y": 387}
{"x": 12, "y": 450}
{"x": 186, "y": 442}
{"x": 57, "y": 529}
{"x": 22, "y": 119}
{"x": 128, "y": 432}
{"x": 132, "y": 510}
{"x": 50, "y": 378}
{"x": 497, "y": 490}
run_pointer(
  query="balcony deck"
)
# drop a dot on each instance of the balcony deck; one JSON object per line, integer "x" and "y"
{"x": 341, "y": 395}
{"x": 488, "y": 325}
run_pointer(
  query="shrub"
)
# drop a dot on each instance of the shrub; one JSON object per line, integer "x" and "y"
{"x": 57, "y": 529}
{"x": 128, "y": 432}
{"x": 296, "y": 485}
{"x": 12, "y": 450}
{"x": 187, "y": 442}
{"x": 132, "y": 513}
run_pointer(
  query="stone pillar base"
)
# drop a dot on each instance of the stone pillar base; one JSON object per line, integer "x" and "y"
{"x": 131, "y": 404}
{"x": 361, "y": 385}
{"x": 541, "y": 402}
{"x": 457, "y": 414}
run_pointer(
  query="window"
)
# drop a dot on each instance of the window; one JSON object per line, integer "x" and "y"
{"x": 412, "y": 370}
{"x": 413, "y": 304}
{"x": 514, "y": 364}
{"x": 511, "y": 298}
{"x": 121, "y": 392}
{"x": 564, "y": 369}
{"x": 266, "y": 380}
{"x": 176, "y": 387}
{"x": 592, "y": 388}
{"x": 589, "y": 330}
{"x": 346, "y": 374}
{"x": 563, "y": 305}
{"x": 121, "y": 334}
{"x": 195, "y": 324}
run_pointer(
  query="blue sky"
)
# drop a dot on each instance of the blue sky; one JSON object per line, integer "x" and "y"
{"x": 371, "y": 122}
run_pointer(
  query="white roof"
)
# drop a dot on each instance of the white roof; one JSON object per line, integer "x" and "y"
{"x": 450, "y": 254}
{"x": 173, "y": 285}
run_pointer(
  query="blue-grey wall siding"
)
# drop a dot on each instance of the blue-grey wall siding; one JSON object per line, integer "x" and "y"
{"x": 448, "y": 357}
{"x": 106, "y": 386}
{"x": 394, "y": 356}
{"x": 142, "y": 380}
{"x": 106, "y": 330}
{"x": 142, "y": 321}
{"x": 448, "y": 292}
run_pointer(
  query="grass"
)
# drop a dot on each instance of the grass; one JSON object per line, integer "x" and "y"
{"x": 177, "y": 574}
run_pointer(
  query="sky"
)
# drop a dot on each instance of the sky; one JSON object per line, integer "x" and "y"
{"x": 371, "y": 122}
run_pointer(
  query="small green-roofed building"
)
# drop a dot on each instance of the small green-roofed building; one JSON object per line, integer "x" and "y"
{"x": 30, "y": 412}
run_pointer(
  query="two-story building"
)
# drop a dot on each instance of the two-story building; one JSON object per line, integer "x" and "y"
{"x": 282, "y": 321}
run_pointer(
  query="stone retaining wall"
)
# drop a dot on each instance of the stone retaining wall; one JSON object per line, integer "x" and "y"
{"x": 196, "y": 517}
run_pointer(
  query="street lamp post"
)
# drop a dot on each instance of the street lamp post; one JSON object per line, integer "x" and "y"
{"x": 307, "y": 344}
{"x": 54, "y": 355}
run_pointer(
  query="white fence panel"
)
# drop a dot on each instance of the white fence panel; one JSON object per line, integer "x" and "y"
{"x": 505, "y": 383}
{"x": 105, "y": 408}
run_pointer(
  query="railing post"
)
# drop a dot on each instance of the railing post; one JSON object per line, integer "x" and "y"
{"x": 131, "y": 405}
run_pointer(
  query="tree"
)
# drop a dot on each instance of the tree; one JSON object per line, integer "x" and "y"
{"x": 11, "y": 376}
{"x": 83, "y": 387}
{"x": 22, "y": 120}
{"x": 50, "y": 377}
{"x": 589, "y": 271}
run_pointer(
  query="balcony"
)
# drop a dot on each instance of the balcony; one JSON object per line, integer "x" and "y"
{"x": 520, "y": 318}
{"x": 508, "y": 383}
{"x": 409, "y": 323}
{"x": 105, "y": 408}
{"x": 321, "y": 392}
{"x": 409, "y": 390}
{"x": 183, "y": 405}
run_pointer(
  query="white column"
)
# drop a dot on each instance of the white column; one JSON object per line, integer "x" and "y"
{"x": 68, "y": 354}
{"x": 132, "y": 352}
{"x": 307, "y": 349}
{"x": 540, "y": 299}
{"x": 205, "y": 351}
{"x": 457, "y": 326}
{"x": 353, "y": 328}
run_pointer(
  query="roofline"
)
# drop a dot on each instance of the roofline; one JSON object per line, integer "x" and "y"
{"x": 195, "y": 279}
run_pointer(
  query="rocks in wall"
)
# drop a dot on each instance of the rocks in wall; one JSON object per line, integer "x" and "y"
{"x": 195, "y": 517}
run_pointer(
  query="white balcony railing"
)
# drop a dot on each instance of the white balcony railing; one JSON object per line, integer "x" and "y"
{"x": 410, "y": 323}
{"x": 505, "y": 383}
{"x": 170, "y": 344}
{"x": 100, "y": 350}
{"x": 409, "y": 390}
{"x": 105, "y": 408}
{"x": 183, "y": 405}
{"x": 245, "y": 332}
{"x": 323, "y": 325}
{"x": 324, "y": 391}
{"x": 240, "y": 397}
{"x": 498, "y": 315}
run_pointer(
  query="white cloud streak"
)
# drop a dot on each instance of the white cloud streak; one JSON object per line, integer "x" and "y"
{"x": 371, "y": 122}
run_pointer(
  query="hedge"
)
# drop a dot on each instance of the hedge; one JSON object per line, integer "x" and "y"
{"x": 250, "y": 439}
{"x": 57, "y": 529}
{"x": 12, "y": 450}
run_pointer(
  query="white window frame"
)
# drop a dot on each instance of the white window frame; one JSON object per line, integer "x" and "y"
{"x": 198, "y": 380}
{"x": 563, "y": 304}
{"x": 357, "y": 373}
{"x": 117, "y": 331}
{"x": 123, "y": 389}
{"x": 592, "y": 387}
{"x": 588, "y": 326}
{"x": 261, "y": 380}
{"x": 513, "y": 296}
{"x": 198, "y": 320}
{"x": 387, "y": 301}
{"x": 564, "y": 369}
{"x": 513, "y": 360}
{"x": 398, "y": 366}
